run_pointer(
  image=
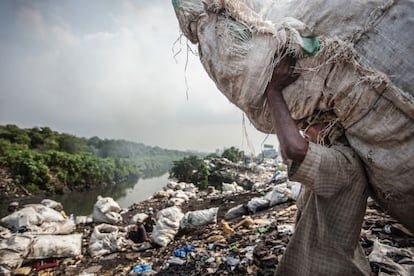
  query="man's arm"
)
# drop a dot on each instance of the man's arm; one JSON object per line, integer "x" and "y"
{"x": 292, "y": 144}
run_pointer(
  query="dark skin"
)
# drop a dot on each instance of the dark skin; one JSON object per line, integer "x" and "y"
{"x": 292, "y": 144}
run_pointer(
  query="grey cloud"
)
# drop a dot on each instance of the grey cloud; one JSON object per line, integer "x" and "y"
{"x": 106, "y": 68}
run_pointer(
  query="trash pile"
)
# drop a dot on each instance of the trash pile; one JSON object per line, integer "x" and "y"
{"x": 184, "y": 231}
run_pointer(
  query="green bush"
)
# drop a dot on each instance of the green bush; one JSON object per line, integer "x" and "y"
{"x": 191, "y": 170}
{"x": 233, "y": 154}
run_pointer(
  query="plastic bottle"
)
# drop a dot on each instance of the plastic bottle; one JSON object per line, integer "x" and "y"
{"x": 72, "y": 218}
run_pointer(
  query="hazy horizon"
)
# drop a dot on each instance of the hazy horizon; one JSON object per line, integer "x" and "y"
{"x": 108, "y": 69}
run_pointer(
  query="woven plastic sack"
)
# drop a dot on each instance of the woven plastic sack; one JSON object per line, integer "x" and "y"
{"x": 168, "y": 224}
{"x": 34, "y": 214}
{"x": 199, "y": 218}
{"x": 106, "y": 210}
{"x": 345, "y": 51}
{"x": 105, "y": 239}
{"x": 55, "y": 246}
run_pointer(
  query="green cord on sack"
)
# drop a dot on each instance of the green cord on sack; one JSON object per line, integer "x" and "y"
{"x": 311, "y": 45}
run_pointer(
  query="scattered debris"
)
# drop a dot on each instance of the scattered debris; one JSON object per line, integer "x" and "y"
{"x": 210, "y": 232}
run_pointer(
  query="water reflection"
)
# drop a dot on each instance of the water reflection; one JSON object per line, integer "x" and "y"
{"x": 81, "y": 203}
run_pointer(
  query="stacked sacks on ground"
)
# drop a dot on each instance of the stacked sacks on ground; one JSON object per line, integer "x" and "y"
{"x": 39, "y": 219}
{"x": 38, "y": 232}
{"x": 171, "y": 220}
{"x": 279, "y": 194}
{"x": 178, "y": 193}
{"x": 232, "y": 188}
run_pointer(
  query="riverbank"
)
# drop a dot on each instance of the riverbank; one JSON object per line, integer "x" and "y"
{"x": 81, "y": 202}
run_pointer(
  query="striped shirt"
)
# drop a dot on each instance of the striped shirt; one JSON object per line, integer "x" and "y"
{"x": 331, "y": 208}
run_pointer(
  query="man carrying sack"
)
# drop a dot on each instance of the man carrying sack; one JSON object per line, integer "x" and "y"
{"x": 332, "y": 202}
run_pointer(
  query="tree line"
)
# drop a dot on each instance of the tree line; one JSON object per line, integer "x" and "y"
{"x": 42, "y": 159}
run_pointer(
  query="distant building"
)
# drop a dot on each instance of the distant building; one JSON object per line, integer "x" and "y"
{"x": 268, "y": 151}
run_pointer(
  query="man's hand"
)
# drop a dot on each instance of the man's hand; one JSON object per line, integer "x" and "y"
{"x": 293, "y": 146}
{"x": 282, "y": 75}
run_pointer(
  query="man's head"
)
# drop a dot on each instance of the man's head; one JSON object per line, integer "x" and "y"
{"x": 150, "y": 211}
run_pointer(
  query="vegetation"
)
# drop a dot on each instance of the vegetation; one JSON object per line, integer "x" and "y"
{"x": 43, "y": 159}
{"x": 194, "y": 170}
{"x": 233, "y": 154}
{"x": 191, "y": 170}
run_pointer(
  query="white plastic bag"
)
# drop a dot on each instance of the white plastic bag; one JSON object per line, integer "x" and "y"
{"x": 199, "y": 218}
{"x": 279, "y": 194}
{"x": 13, "y": 251}
{"x": 52, "y": 204}
{"x": 257, "y": 204}
{"x": 31, "y": 216}
{"x": 168, "y": 224}
{"x": 382, "y": 255}
{"x": 56, "y": 246}
{"x": 236, "y": 212}
{"x": 105, "y": 239}
{"x": 106, "y": 210}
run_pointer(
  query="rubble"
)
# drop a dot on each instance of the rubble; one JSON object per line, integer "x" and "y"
{"x": 208, "y": 232}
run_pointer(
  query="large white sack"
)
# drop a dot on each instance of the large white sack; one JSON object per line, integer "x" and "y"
{"x": 141, "y": 217}
{"x": 13, "y": 251}
{"x": 52, "y": 204}
{"x": 238, "y": 47}
{"x": 168, "y": 224}
{"x": 236, "y": 212}
{"x": 257, "y": 204}
{"x": 279, "y": 194}
{"x": 380, "y": 30}
{"x": 383, "y": 255}
{"x": 106, "y": 210}
{"x": 181, "y": 194}
{"x": 199, "y": 218}
{"x": 295, "y": 188}
{"x": 30, "y": 215}
{"x": 105, "y": 239}
{"x": 55, "y": 246}
{"x": 54, "y": 227}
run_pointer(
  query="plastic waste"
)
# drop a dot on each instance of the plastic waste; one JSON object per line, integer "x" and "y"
{"x": 278, "y": 195}
{"x": 55, "y": 246}
{"x": 105, "y": 239}
{"x": 52, "y": 204}
{"x": 235, "y": 212}
{"x": 176, "y": 261}
{"x": 257, "y": 204}
{"x": 168, "y": 224}
{"x": 72, "y": 218}
{"x": 199, "y": 218}
{"x": 232, "y": 262}
{"x": 141, "y": 268}
{"x": 183, "y": 251}
{"x": 106, "y": 210}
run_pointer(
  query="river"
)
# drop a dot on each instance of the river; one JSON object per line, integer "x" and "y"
{"x": 81, "y": 203}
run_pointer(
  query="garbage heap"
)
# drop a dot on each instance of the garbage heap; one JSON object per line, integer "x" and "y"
{"x": 234, "y": 231}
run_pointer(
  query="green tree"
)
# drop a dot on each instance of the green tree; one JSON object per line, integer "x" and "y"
{"x": 191, "y": 170}
{"x": 233, "y": 154}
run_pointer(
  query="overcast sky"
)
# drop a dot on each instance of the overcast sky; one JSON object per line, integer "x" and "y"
{"x": 107, "y": 68}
